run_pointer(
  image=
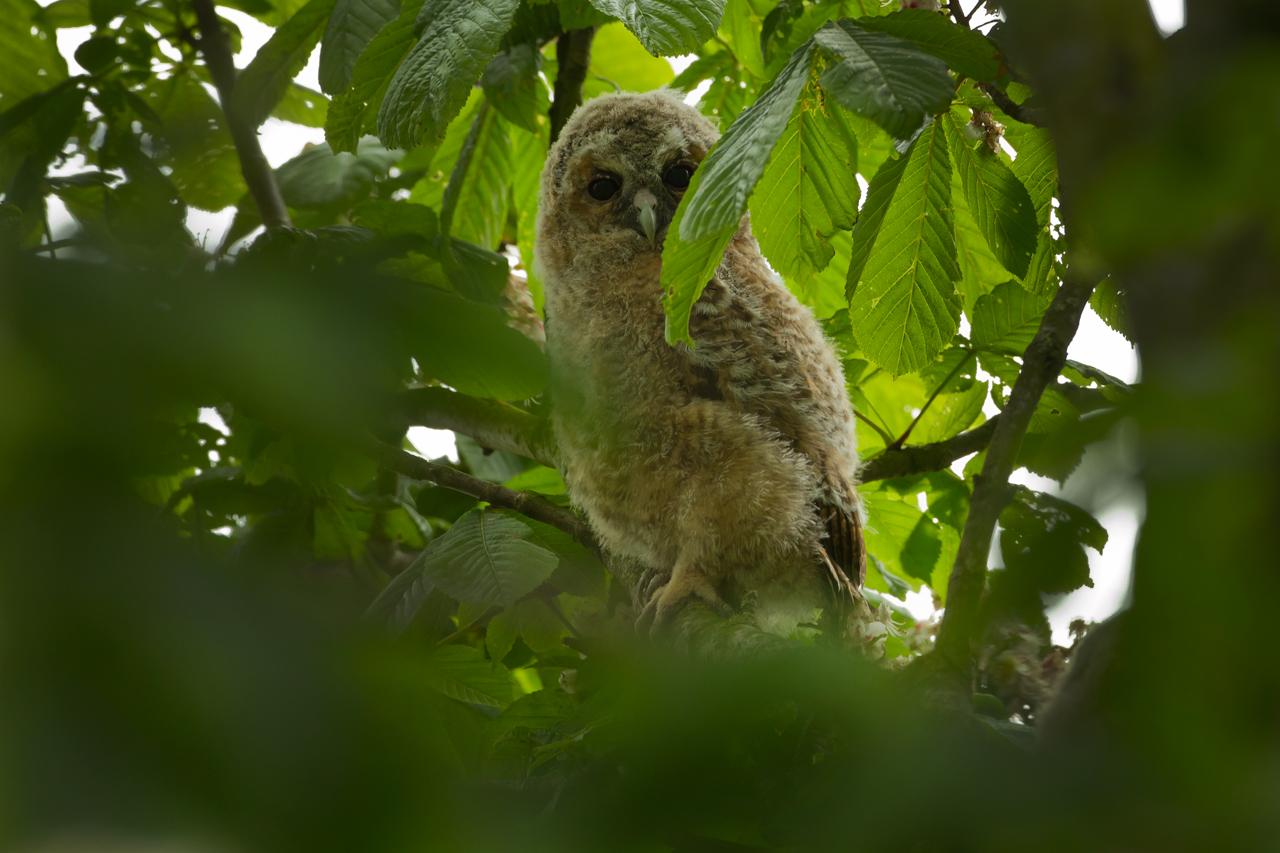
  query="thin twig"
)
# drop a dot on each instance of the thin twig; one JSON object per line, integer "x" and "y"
{"x": 1041, "y": 364}
{"x": 906, "y": 433}
{"x": 880, "y": 431}
{"x": 257, "y": 172}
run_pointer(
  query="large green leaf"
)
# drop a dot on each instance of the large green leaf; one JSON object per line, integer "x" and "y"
{"x": 903, "y": 306}
{"x": 1007, "y": 318}
{"x": 319, "y": 178}
{"x": 486, "y": 558}
{"x": 463, "y": 673}
{"x": 889, "y": 80}
{"x": 809, "y": 190}
{"x": 717, "y": 197}
{"x": 469, "y": 347}
{"x": 458, "y": 39}
{"x": 966, "y": 51}
{"x": 369, "y": 76}
{"x": 667, "y": 27}
{"x": 741, "y": 28}
{"x": 512, "y": 85}
{"x": 30, "y": 61}
{"x": 197, "y": 146}
{"x": 261, "y": 86}
{"x": 480, "y": 211}
{"x": 996, "y": 198}
{"x": 352, "y": 25}
{"x": 1043, "y": 539}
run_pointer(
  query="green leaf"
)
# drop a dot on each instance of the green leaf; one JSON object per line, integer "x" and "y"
{"x": 400, "y": 600}
{"x": 966, "y": 51}
{"x": 458, "y": 39}
{"x": 809, "y": 190}
{"x": 320, "y": 179}
{"x": 261, "y": 86}
{"x": 470, "y": 347}
{"x": 1007, "y": 318}
{"x": 707, "y": 218}
{"x": 304, "y": 106}
{"x": 1036, "y": 166}
{"x": 347, "y": 114}
{"x": 480, "y": 211}
{"x": 463, "y": 673}
{"x": 950, "y": 414}
{"x": 196, "y": 144}
{"x": 30, "y": 61}
{"x": 1043, "y": 538}
{"x": 667, "y": 27}
{"x": 487, "y": 558}
{"x": 741, "y": 28}
{"x": 352, "y": 25}
{"x": 512, "y": 85}
{"x": 998, "y": 201}
{"x": 66, "y": 13}
{"x": 1111, "y": 304}
{"x": 980, "y": 270}
{"x": 903, "y": 306}
{"x": 886, "y": 79}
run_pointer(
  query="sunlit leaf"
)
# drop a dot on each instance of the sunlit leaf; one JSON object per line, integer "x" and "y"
{"x": 667, "y": 27}
{"x": 707, "y": 218}
{"x": 352, "y": 25}
{"x": 887, "y": 79}
{"x": 903, "y": 305}
{"x": 457, "y": 39}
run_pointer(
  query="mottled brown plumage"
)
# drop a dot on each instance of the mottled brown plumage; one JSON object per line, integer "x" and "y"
{"x": 727, "y": 468}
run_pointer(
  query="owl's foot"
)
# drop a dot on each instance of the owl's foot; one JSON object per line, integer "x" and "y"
{"x": 666, "y": 600}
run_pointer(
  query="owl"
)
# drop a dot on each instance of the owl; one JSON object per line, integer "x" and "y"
{"x": 726, "y": 469}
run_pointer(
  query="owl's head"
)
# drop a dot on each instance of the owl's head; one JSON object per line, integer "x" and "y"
{"x": 615, "y": 176}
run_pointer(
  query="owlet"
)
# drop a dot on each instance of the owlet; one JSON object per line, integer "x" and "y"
{"x": 725, "y": 469}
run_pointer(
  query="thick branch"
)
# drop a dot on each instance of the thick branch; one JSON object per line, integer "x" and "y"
{"x": 573, "y": 56}
{"x": 1041, "y": 363}
{"x": 923, "y": 458}
{"x": 495, "y": 425}
{"x": 253, "y": 163}
{"x": 537, "y": 508}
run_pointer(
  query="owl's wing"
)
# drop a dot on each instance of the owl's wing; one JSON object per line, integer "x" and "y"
{"x": 843, "y": 545}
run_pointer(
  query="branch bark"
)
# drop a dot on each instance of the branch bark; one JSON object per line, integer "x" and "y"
{"x": 257, "y": 172}
{"x": 573, "y": 56}
{"x": 533, "y": 506}
{"x": 904, "y": 461}
{"x": 1041, "y": 364}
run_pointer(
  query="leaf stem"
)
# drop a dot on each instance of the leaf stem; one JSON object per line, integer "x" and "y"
{"x": 906, "y": 433}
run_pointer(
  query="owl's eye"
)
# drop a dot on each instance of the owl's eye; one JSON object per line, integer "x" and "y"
{"x": 603, "y": 189}
{"x": 677, "y": 177}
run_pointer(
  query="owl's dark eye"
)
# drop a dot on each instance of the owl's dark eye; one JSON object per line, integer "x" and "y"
{"x": 677, "y": 177}
{"x": 603, "y": 189}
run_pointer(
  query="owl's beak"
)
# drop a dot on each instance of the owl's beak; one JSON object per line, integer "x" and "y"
{"x": 646, "y": 205}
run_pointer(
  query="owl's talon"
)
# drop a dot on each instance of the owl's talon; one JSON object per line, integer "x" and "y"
{"x": 671, "y": 596}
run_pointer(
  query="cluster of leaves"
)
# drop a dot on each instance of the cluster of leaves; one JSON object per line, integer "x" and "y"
{"x": 397, "y": 275}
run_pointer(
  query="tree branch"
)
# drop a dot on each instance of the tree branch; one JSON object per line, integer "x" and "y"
{"x": 257, "y": 172}
{"x": 533, "y": 506}
{"x": 923, "y": 458}
{"x": 1041, "y": 364}
{"x": 573, "y": 56}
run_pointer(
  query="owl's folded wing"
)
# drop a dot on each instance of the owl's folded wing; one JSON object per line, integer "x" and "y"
{"x": 842, "y": 542}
